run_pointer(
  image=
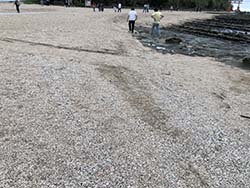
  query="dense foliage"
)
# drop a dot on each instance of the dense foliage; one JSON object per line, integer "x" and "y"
{"x": 205, "y": 4}
{"x": 182, "y": 4}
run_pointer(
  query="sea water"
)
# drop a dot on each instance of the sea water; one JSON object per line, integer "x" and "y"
{"x": 245, "y": 6}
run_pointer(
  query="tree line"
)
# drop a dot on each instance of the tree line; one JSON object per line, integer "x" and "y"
{"x": 178, "y": 4}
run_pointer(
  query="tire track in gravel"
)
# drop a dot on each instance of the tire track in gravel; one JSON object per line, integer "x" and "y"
{"x": 103, "y": 51}
{"x": 134, "y": 88}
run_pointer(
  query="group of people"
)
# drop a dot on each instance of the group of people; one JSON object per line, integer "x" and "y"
{"x": 67, "y": 3}
{"x": 156, "y": 16}
{"x": 132, "y": 16}
{"x": 145, "y": 8}
{"x": 100, "y": 6}
{"x": 118, "y": 7}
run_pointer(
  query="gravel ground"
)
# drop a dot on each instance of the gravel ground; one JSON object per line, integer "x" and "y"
{"x": 84, "y": 104}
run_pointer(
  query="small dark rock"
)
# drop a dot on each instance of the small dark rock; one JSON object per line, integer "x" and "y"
{"x": 173, "y": 40}
{"x": 246, "y": 60}
{"x": 19, "y": 106}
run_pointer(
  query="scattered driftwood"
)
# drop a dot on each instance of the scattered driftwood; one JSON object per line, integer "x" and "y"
{"x": 244, "y": 116}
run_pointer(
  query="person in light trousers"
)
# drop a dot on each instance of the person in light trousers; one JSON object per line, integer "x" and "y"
{"x": 157, "y": 16}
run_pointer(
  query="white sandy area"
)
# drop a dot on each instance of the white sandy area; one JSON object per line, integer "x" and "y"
{"x": 84, "y": 104}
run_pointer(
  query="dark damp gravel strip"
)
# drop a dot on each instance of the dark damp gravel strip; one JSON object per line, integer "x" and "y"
{"x": 104, "y": 51}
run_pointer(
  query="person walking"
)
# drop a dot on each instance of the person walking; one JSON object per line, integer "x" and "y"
{"x": 66, "y": 3}
{"x": 157, "y": 16}
{"x": 93, "y": 6}
{"x": 69, "y": 3}
{"x": 119, "y": 7}
{"x": 144, "y": 8}
{"x": 171, "y": 8}
{"x": 102, "y": 7}
{"x": 132, "y": 17}
{"x": 17, "y": 3}
{"x": 147, "y": 7}
{"x": 114, "y": 7}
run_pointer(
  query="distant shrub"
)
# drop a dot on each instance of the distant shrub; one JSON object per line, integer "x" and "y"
{"x": 78, "y": 3}
{"x": 31, "y": 2}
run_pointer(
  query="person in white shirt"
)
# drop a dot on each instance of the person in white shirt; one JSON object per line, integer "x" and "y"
{"x": 119, "y": 7}
{"x": 132, "y": 17}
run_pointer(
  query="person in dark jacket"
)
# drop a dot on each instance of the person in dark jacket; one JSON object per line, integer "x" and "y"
{"x": 17, "y": 3}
